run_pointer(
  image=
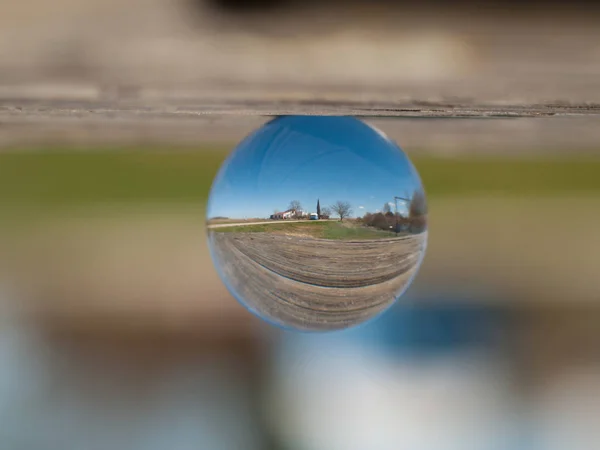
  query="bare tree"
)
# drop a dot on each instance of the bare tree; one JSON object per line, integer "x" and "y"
{"x": 418, "y": 204}
{"x": 386, "y": 208}
{"x": 342, "y": 209}
{"x": 417, "y": 212}
{"x": 325, "y": 213}
{"x": 295, "y": 205}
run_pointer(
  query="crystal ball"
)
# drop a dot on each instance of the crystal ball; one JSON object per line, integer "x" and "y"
{"x": 317, "y": 223}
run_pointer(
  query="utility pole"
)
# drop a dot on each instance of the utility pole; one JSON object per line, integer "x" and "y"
{"x": 405, "y": 200}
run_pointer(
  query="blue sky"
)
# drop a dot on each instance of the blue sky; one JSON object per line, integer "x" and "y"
{"x": 307, "y": 158}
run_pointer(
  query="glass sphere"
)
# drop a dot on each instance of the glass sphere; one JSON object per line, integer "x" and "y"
{"x": 317, "y": 223}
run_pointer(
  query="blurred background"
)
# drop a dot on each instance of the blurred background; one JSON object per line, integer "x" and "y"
{"x": 115, "y": 331}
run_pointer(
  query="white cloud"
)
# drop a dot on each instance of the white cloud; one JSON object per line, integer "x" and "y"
{"x": 361, "y": 207}
{"x": 391, "y": 203}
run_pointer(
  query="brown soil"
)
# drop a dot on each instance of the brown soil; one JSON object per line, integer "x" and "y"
{"x": 316, "y": 284}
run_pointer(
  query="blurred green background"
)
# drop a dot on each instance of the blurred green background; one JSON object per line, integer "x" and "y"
{"x": 115, "y": 330}
{"x": 109, "y": 282}
{"x": 62, "y": 177}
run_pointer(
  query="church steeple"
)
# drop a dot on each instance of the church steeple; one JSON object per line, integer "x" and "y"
{"x": 318, "y": 209}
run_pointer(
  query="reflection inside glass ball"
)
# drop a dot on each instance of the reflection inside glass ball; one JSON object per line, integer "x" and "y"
{"x": 317, "y": 223}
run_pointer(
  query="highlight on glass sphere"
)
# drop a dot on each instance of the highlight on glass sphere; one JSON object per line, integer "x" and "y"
{"x": 317, "y": 223}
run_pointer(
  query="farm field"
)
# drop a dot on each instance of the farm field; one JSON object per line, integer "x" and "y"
{"x": 323, "y": 229}
{"x": 316, "y": 283}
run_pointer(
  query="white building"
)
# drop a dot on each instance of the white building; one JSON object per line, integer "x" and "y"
{"x": 289, "y": 214}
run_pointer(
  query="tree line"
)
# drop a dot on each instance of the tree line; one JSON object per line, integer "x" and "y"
{"x": 415, "y": 221}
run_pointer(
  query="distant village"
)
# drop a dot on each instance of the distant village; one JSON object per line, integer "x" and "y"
{"x": 296, "y": 212}
{"x": 415, "y": 220}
